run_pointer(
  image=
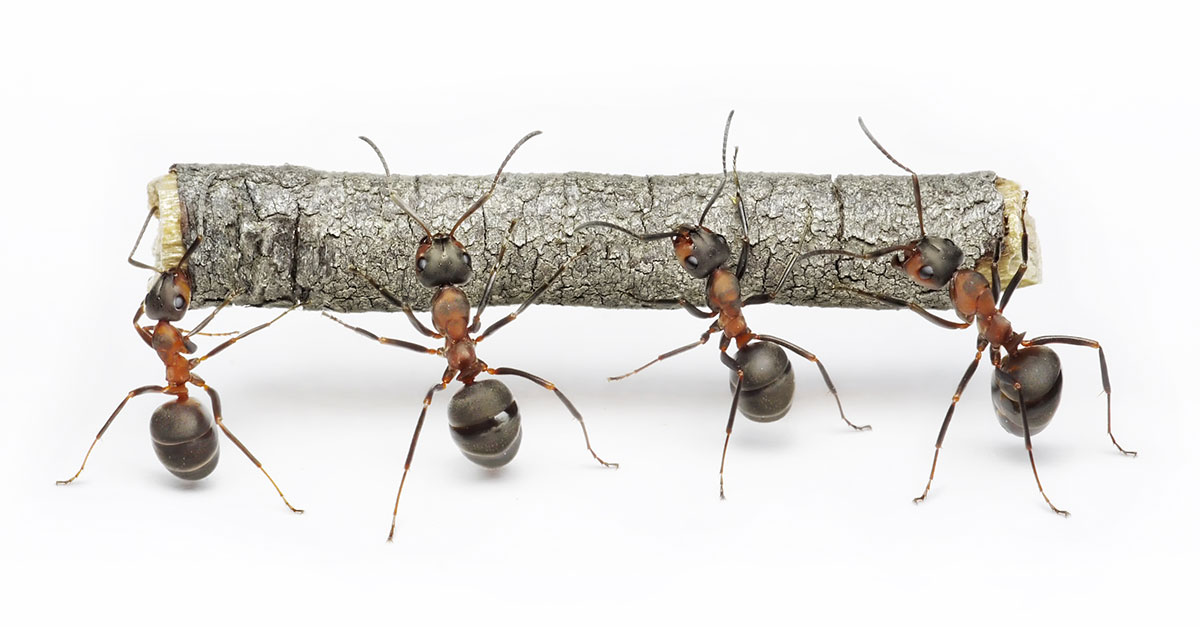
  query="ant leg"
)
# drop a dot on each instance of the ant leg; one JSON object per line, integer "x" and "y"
{"x": 1029, "y": 447}
{"x": 412, "y": 447}
{"x": 487, "y": 290}
{"x": 671, "y": 353}
{"x": 142, "y": 332}
{"x": 1016, "y": 279}
{"x": 891, "y": 300}
{"x": 496, "y": 326}
{"x": 1081, "y": 341}
{"x": 395, "y": 300}
{"x": 562, "y": 397}
{"x": 737, "y": 393}
{"x": 686, "y": 305}
{"x": 759, "y": 299}
{"x": 824, "y": 373}
{"x": 137, "y": 392}
{"x": 962, "y": 385}
{"x": 383, "y": 340}
{"x": 216, "y": 407}
{"x": 208, "y": 319}
{"x": 192, "y": 363}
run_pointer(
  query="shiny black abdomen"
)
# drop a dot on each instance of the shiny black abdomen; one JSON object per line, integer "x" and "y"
{"x": 185, "y": 439}
{"x": 485, "y": 423}
{"x": 1039, "y": 371}
{"x": 768, "y": 382}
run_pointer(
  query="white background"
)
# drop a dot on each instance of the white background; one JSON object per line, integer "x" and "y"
{"x": 1094, "y": 110}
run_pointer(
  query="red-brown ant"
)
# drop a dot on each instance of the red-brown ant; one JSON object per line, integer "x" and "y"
{"x": 762, "y": 379}
{"x": 484, "y": 419}
{"x": 1027, "y": 382}
{"x": 182, "y": 430}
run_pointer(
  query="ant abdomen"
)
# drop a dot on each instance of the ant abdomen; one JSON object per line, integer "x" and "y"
{"x": 485, "y": 423}
{"x": 185, "y": 439}
{"x": 768, "y": 382}
{"x": 1039, "y": 372}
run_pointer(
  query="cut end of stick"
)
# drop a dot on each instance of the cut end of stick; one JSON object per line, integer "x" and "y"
{"x": 163, "y": 192}
{"x": 1010, "y": 253}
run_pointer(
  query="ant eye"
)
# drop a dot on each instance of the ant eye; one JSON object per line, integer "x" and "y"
{"x": 466, "y": 259}
{"x": 691, "y": 261}
{"x": 421, "y": 263}
{"x": 926, "y": 272}
{"x": 179, "y": 302}
{"x": 721, "y": 238}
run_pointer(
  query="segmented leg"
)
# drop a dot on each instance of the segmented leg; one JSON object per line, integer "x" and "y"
{"x": 1082, "y": 341}
{"x": 824, "y": 373}
{"x": 216, "y": 407}
{"x": 962, "y": 385}
{"x": 487, "y": 290}
{"x": 891, "y": 300}
{"x": 565, "y": 401}
{"x": 737, "y": 394}
{"x": 393, "y": 299}
{"x": 1016, "y": 279}
{"x": 132, "y": 393}
{"x": 230, "y": 342}
{"x": 382, "y": 340}
{"x": 499, "y": 324}
{"x": 686, "y": 305}
{"x": 209, "y": 318}
{"x": 687, "y": 347}
{"x": 1029, "y": 447}
{"x": 412, "y": 447}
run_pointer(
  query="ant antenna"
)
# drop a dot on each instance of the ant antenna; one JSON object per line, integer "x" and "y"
{"x": 188, "y": 253}
{"x": 724, "y": 173}
{"x": 483, "y": 198}
{"x": 737, "y": 184}
{"x": 391, "y": 192}
{"x": 134, "y": 262}
{"x": 916, "y": 183}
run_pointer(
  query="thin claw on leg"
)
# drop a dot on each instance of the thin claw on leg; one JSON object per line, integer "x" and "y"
{"x": 929, "y": 483}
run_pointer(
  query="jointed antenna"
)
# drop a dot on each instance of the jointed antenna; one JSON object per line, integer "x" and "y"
{"x": 488, "y": 194}
{"x": 916, "y": 183}
{"x": 724, "y": 173}
{"x": 134, "y": 262}
{"x": 391, "y": 192}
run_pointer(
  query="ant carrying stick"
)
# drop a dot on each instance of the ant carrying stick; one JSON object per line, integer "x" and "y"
{"x": 182, "y": 431}
{"x": 484, "y": 420}
{"x": 1027, "y": 382}
{"x": 761, "y": 375}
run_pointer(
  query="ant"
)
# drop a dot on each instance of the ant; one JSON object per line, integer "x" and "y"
{"x": 761, "y": 377}
{"x": 484, "y": 420}
{"x": 1027, "y": 382}
{"x": 182, "y": 430}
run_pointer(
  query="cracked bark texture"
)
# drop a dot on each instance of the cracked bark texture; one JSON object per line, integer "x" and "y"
{"x": 277, "y": 235}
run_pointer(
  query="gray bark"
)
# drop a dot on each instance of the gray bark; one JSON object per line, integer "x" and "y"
{"x": 277, "y": 235}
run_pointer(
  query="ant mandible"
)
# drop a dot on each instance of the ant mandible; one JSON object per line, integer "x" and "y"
{"x": 1027, "y": 382}
{"x": 484, "y": 420}
{"x": 761, "y": 374}
{"x": 182, "y": 431}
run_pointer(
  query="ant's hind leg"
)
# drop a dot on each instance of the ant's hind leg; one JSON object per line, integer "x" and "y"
{"x": 565, "y": 401}
{"x": 137, "y": 392}
{"x": 216, "y": 408}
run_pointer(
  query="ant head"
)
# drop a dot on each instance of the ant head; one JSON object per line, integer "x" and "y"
{"x": 170, "y": 293}
{"x": 699, "y": 250}
{"x": 442, "y": 260}
{"x": 930, "y": 261}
